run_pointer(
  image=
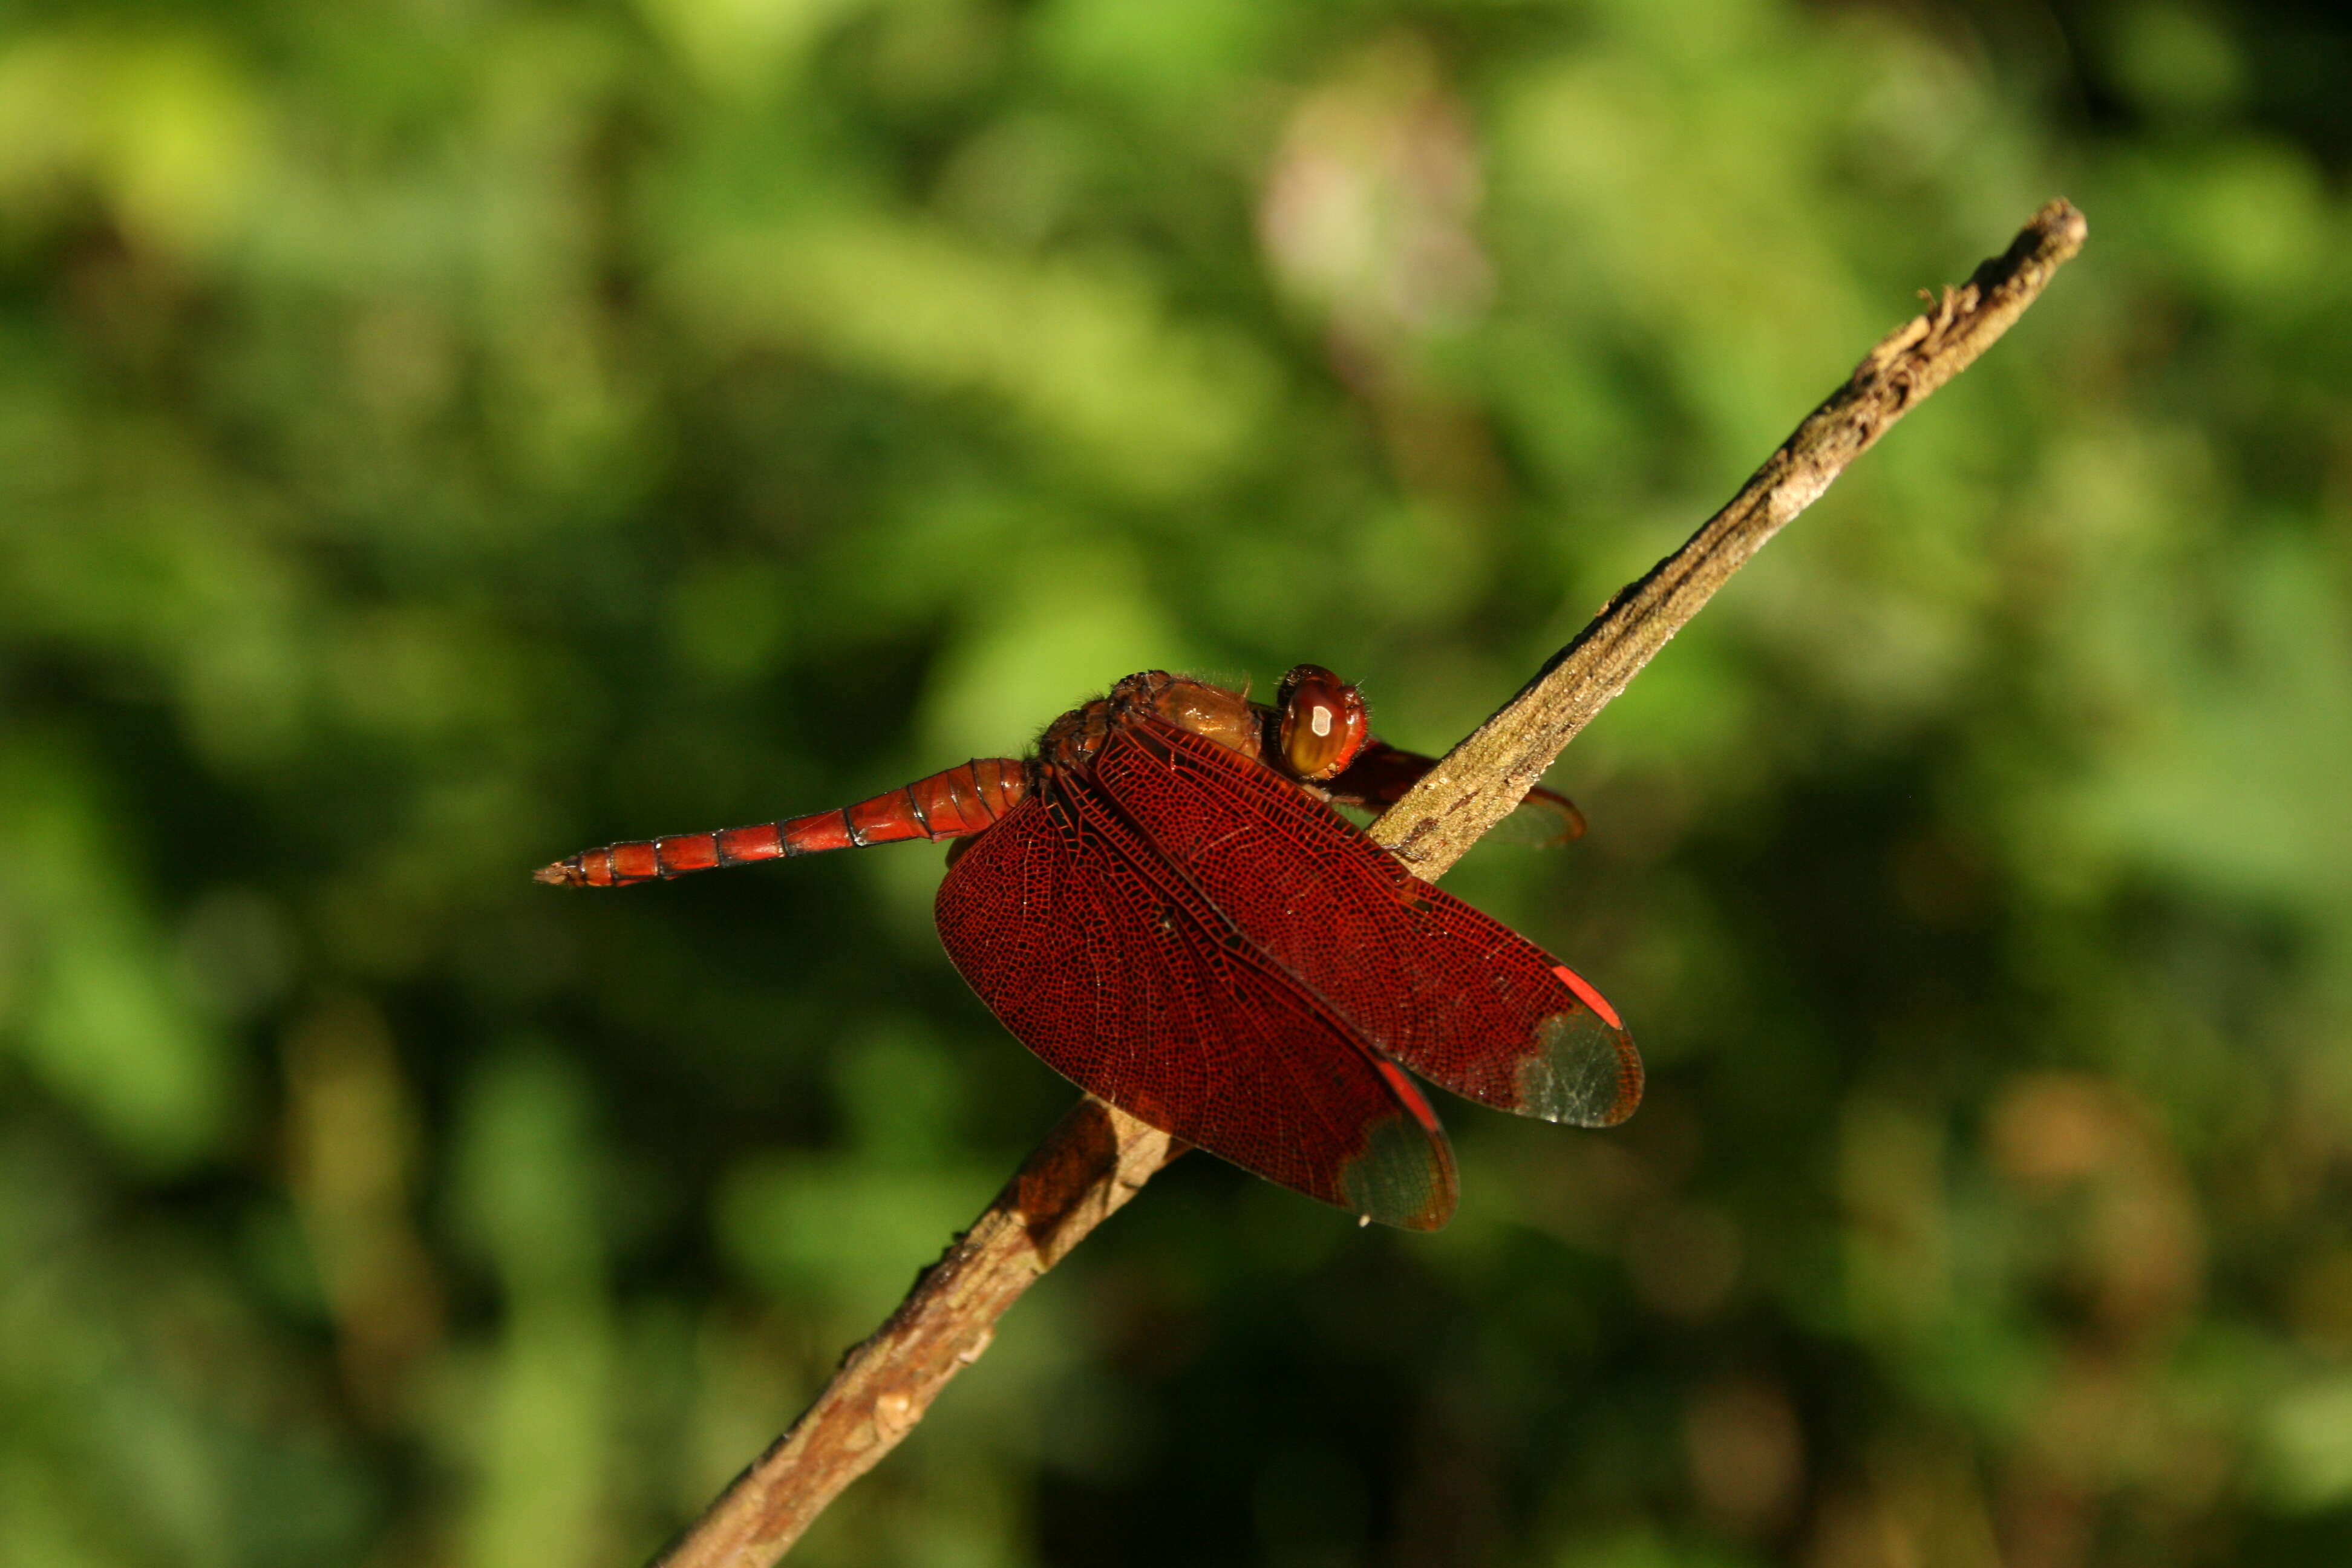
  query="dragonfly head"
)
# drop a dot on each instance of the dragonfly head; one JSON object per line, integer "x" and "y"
{"x": 1323, "y": 721}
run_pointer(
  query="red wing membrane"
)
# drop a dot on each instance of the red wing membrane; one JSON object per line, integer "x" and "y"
{"x": 1124, "y": 979}
{"x": 1457, "y": 997}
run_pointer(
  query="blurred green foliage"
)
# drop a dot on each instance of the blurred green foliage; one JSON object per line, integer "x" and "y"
{"x": 439, "y": 436}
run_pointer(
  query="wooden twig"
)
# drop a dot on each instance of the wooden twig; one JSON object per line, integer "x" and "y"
{"x": 1481, "y": 780}
{"x": 1096, "y": 1157}
{"x": 1094, "y": 1160}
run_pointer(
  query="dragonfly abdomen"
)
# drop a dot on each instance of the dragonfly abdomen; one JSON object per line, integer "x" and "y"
{"x": 953, "y": 804}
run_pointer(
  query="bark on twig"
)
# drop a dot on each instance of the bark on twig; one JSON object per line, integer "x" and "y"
{"x": 1096, "y": 1157}
{"x": 1094, "y": 1160}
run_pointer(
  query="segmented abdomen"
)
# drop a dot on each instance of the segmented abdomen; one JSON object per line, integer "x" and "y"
{"x": 953, "y": 804}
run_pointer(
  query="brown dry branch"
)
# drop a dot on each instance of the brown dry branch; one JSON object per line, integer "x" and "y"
{"x": 1096, "y": 1157}
{"x": 1480, "y": 780}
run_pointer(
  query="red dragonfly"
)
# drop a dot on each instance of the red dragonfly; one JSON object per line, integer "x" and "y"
{"x": 1163, "y": 904}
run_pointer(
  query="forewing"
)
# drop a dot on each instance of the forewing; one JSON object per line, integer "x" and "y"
{"x": 1452, "y": 994}
{"x": 1112, "y": 969}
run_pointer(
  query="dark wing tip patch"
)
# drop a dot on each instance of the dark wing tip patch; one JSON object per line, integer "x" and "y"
{"x": 1582, "y": 1072}
{"x": 1401, "y": 1176}
{"x": 1403, "y": 1172}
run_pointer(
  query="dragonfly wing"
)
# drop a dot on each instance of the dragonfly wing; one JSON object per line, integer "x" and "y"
{"x": 1111, "y": 968}
{"x": 1452, "y": 994}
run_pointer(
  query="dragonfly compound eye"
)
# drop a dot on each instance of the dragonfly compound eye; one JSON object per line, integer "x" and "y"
{"x": 1323, "y": 724}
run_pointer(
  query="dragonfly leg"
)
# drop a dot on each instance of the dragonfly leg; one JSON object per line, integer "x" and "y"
{"x": 1380, "y": 774}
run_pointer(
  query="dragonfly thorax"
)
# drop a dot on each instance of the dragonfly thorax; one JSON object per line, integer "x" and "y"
{"x": 1212, "y": 713}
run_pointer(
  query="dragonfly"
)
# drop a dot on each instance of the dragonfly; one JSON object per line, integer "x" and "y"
{"x": 1165, "y": 903}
